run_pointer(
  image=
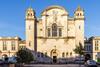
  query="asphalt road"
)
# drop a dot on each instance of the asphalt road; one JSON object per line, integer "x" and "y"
{"x": 53, "y": 65}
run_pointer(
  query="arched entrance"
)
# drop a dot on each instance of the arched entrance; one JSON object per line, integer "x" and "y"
{"x": 5, "y": 57}
{"x": 54, "y": 55}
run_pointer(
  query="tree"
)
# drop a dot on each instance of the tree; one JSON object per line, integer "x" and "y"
{"x": 24, "y": 56}
{"x": 79, "y": 50}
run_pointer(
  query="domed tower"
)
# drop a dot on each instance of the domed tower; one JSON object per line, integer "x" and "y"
{"x": 79, "y": 13}
{"x": 30, "y": 28}
{"x": 79, "y": 25}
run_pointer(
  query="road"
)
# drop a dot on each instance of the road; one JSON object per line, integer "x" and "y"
{"x": 53, "y": 65}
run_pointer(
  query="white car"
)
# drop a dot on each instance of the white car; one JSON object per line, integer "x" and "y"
{"x": 90, "y": 63}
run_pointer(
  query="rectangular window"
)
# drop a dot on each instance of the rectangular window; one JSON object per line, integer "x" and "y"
{"x": 29, "y": 27}
{"x": 4, "y": 45}
{"x": 96, "y": 42}
{"x": 29, "y": 43}
{"x": 96, "y": 46}
{"x": 89, "y": 48}
{"x": 48, "y": 32}
{"x": 60, "y": 32}
{"x": 13, "y": 47}
{"x": 22, "y": 47}
{"x": 79, "y": 27}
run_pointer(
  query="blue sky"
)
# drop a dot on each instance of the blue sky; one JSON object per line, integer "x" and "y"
{"x": 12, "y": 14}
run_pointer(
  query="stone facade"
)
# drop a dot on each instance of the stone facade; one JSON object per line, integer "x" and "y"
{"x": 52, "y": 36}
{"x": 55, "y": 34}
{"x": 88, "y": 47}
{"x": 8, "y": 46}
{"x": 92, "y": 47}
{"x": 96, "y": 48}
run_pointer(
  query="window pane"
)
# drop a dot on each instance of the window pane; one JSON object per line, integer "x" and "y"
{"x": 13, "y": 45}
{"x": 4, "y": 45}
{"x": 60, "y": 32}
{"x": 29, "y": 43}
{"x": 54, "y": 29}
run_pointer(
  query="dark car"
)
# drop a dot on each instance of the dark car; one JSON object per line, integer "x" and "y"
{"x": 79, "y": 60}
{"x": 1, "y": 61}
{"x": 12, "y": 60}
{"x": 90, "y": 63}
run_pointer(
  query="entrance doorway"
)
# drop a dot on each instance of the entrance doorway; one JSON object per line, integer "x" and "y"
{"x": 54, "y": 55}
{"x": 54, "y": 59}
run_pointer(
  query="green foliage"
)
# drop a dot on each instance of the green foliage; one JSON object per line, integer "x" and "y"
{"x": 24, "y": 56}
{"x": 98, "y": 60}
{"x": 79, "y": 49}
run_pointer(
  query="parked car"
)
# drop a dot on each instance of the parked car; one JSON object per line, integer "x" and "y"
{"x": 62, "y": 61}
{"x": 1, "y": 61}
{"x": 12, "y": 60}
{"x": 79, "y": 60}
{"x": 90, "y": 63}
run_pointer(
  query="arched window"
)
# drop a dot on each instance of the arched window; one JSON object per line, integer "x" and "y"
{"x": 70, "y": 53}
{"x": 54, "y": 29}
{"x": 42, "y": 55}
{"x": 63, "y": 54}
{"x": 66, "y": 54}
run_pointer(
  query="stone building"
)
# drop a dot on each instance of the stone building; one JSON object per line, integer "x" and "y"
{"x": 55, "y": 34}
{"x": 96, "y": 48}
{"x": 92, "y": 47}
{"x": 8, "y": 46}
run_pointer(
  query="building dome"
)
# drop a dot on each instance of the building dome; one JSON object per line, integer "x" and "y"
{"x": 54, "y": 7}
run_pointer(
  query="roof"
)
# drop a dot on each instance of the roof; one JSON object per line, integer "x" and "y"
{"x": 54, "y": 6}
{"x": 79, "y": 9}
{"x": 96, "y": 37}
{"x": 16, "y": 37}
{"x": 22, "y": 42}
{"x": 30, "y": 9}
